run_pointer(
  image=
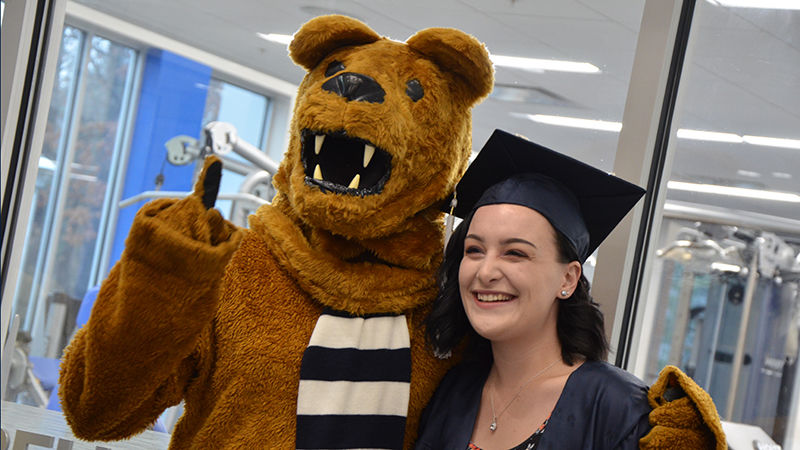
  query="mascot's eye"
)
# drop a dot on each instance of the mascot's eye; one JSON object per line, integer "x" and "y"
{"x": 414, "y": 90}
{"x": 334, "y": 67}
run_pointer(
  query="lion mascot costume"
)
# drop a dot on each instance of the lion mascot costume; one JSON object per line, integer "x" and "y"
{"x": 309, "y": 322}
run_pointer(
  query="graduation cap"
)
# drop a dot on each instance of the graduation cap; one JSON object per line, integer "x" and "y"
{"x": 580, "y": 201}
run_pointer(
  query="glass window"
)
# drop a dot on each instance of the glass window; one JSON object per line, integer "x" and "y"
{"x": 722, "y": 300}
{"x": 55, "y": 142}
{"x": 247, "y": 111}
{"x": 90, "y": 97}
{"x": 107, "y": 76}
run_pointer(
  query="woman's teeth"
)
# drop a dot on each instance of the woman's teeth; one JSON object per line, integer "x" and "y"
{"x": 493, "y": 297}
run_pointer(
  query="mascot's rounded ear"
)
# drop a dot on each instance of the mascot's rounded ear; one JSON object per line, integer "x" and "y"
{"x": 459, "y": 53}
{"x": 320, "y": 36}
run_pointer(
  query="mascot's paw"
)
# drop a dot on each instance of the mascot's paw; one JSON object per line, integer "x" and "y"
{"x": 194, "y": 216}
{"x": 683, "y": 416}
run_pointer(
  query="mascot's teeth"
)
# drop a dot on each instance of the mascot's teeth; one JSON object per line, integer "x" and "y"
{"x": 368, "y": 152}
{"x": 317, "y": 173}
{"x": 318, "y": 140}
{"x": 354, "y": 183}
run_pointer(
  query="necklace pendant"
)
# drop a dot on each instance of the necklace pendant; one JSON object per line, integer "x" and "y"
{"x": 493, "y": 426}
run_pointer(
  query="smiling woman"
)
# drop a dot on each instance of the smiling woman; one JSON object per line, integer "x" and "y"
{"x": 512, "y": 275}
{"x": 512, "y": 283}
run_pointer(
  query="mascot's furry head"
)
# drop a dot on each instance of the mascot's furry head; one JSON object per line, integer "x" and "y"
{"x": 381, "y": 130}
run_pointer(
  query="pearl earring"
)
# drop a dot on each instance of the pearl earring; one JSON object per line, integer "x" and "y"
{"x": 564, "y": 293}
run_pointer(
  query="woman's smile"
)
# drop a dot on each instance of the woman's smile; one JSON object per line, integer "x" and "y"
{"x": 492, "y": 297}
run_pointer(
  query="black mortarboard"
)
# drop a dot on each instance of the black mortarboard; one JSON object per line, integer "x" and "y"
{"x": 580, "y": 201}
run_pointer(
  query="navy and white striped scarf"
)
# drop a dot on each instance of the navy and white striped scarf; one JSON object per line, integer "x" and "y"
{"x": 354, "y": 383}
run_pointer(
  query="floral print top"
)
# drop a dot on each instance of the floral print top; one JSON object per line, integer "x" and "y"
{"x": 527, "y": 444}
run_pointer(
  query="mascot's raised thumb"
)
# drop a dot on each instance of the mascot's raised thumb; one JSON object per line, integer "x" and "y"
{"x": 207, "y": 185}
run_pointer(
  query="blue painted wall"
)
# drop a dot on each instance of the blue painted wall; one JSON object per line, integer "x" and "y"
{"x": 172, "y": 101}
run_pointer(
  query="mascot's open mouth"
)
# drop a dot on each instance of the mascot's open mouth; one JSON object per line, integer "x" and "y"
{"x": 346, "y": 165}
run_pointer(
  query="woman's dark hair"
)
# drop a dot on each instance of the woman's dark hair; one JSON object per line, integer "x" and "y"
{"x": 579, "y": 325}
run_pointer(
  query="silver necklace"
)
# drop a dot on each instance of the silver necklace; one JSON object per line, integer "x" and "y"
{"x": 493, "y": 426}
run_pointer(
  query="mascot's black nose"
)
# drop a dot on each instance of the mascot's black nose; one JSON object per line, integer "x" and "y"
{"x": 355, "y": 87}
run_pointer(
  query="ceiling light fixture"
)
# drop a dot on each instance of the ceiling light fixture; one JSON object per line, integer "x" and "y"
{"x": 284, "y": 39}
{"x": 748, "y": 173}
{"x": 771, "y": 141}
{"x": 543, "y": 64}
{"x": 763, "y": 4}
{"x": 734, "y": 191}
{"x": 782, "y": 175}
{"x": 574, "y": 122}
{"x": 683, "y": 133}
{"x": 715, "y": 136}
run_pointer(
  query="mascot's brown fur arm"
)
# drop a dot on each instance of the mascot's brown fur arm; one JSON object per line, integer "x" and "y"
{"x": 149, "y": 331}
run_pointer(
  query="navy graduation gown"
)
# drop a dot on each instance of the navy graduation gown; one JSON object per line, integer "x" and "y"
{"x": 601, "y": 407}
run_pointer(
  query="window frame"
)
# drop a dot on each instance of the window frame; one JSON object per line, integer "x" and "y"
{"x": 30, "y": 44}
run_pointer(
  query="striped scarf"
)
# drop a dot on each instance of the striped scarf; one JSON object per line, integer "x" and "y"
{"x": 354, "y": 383}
